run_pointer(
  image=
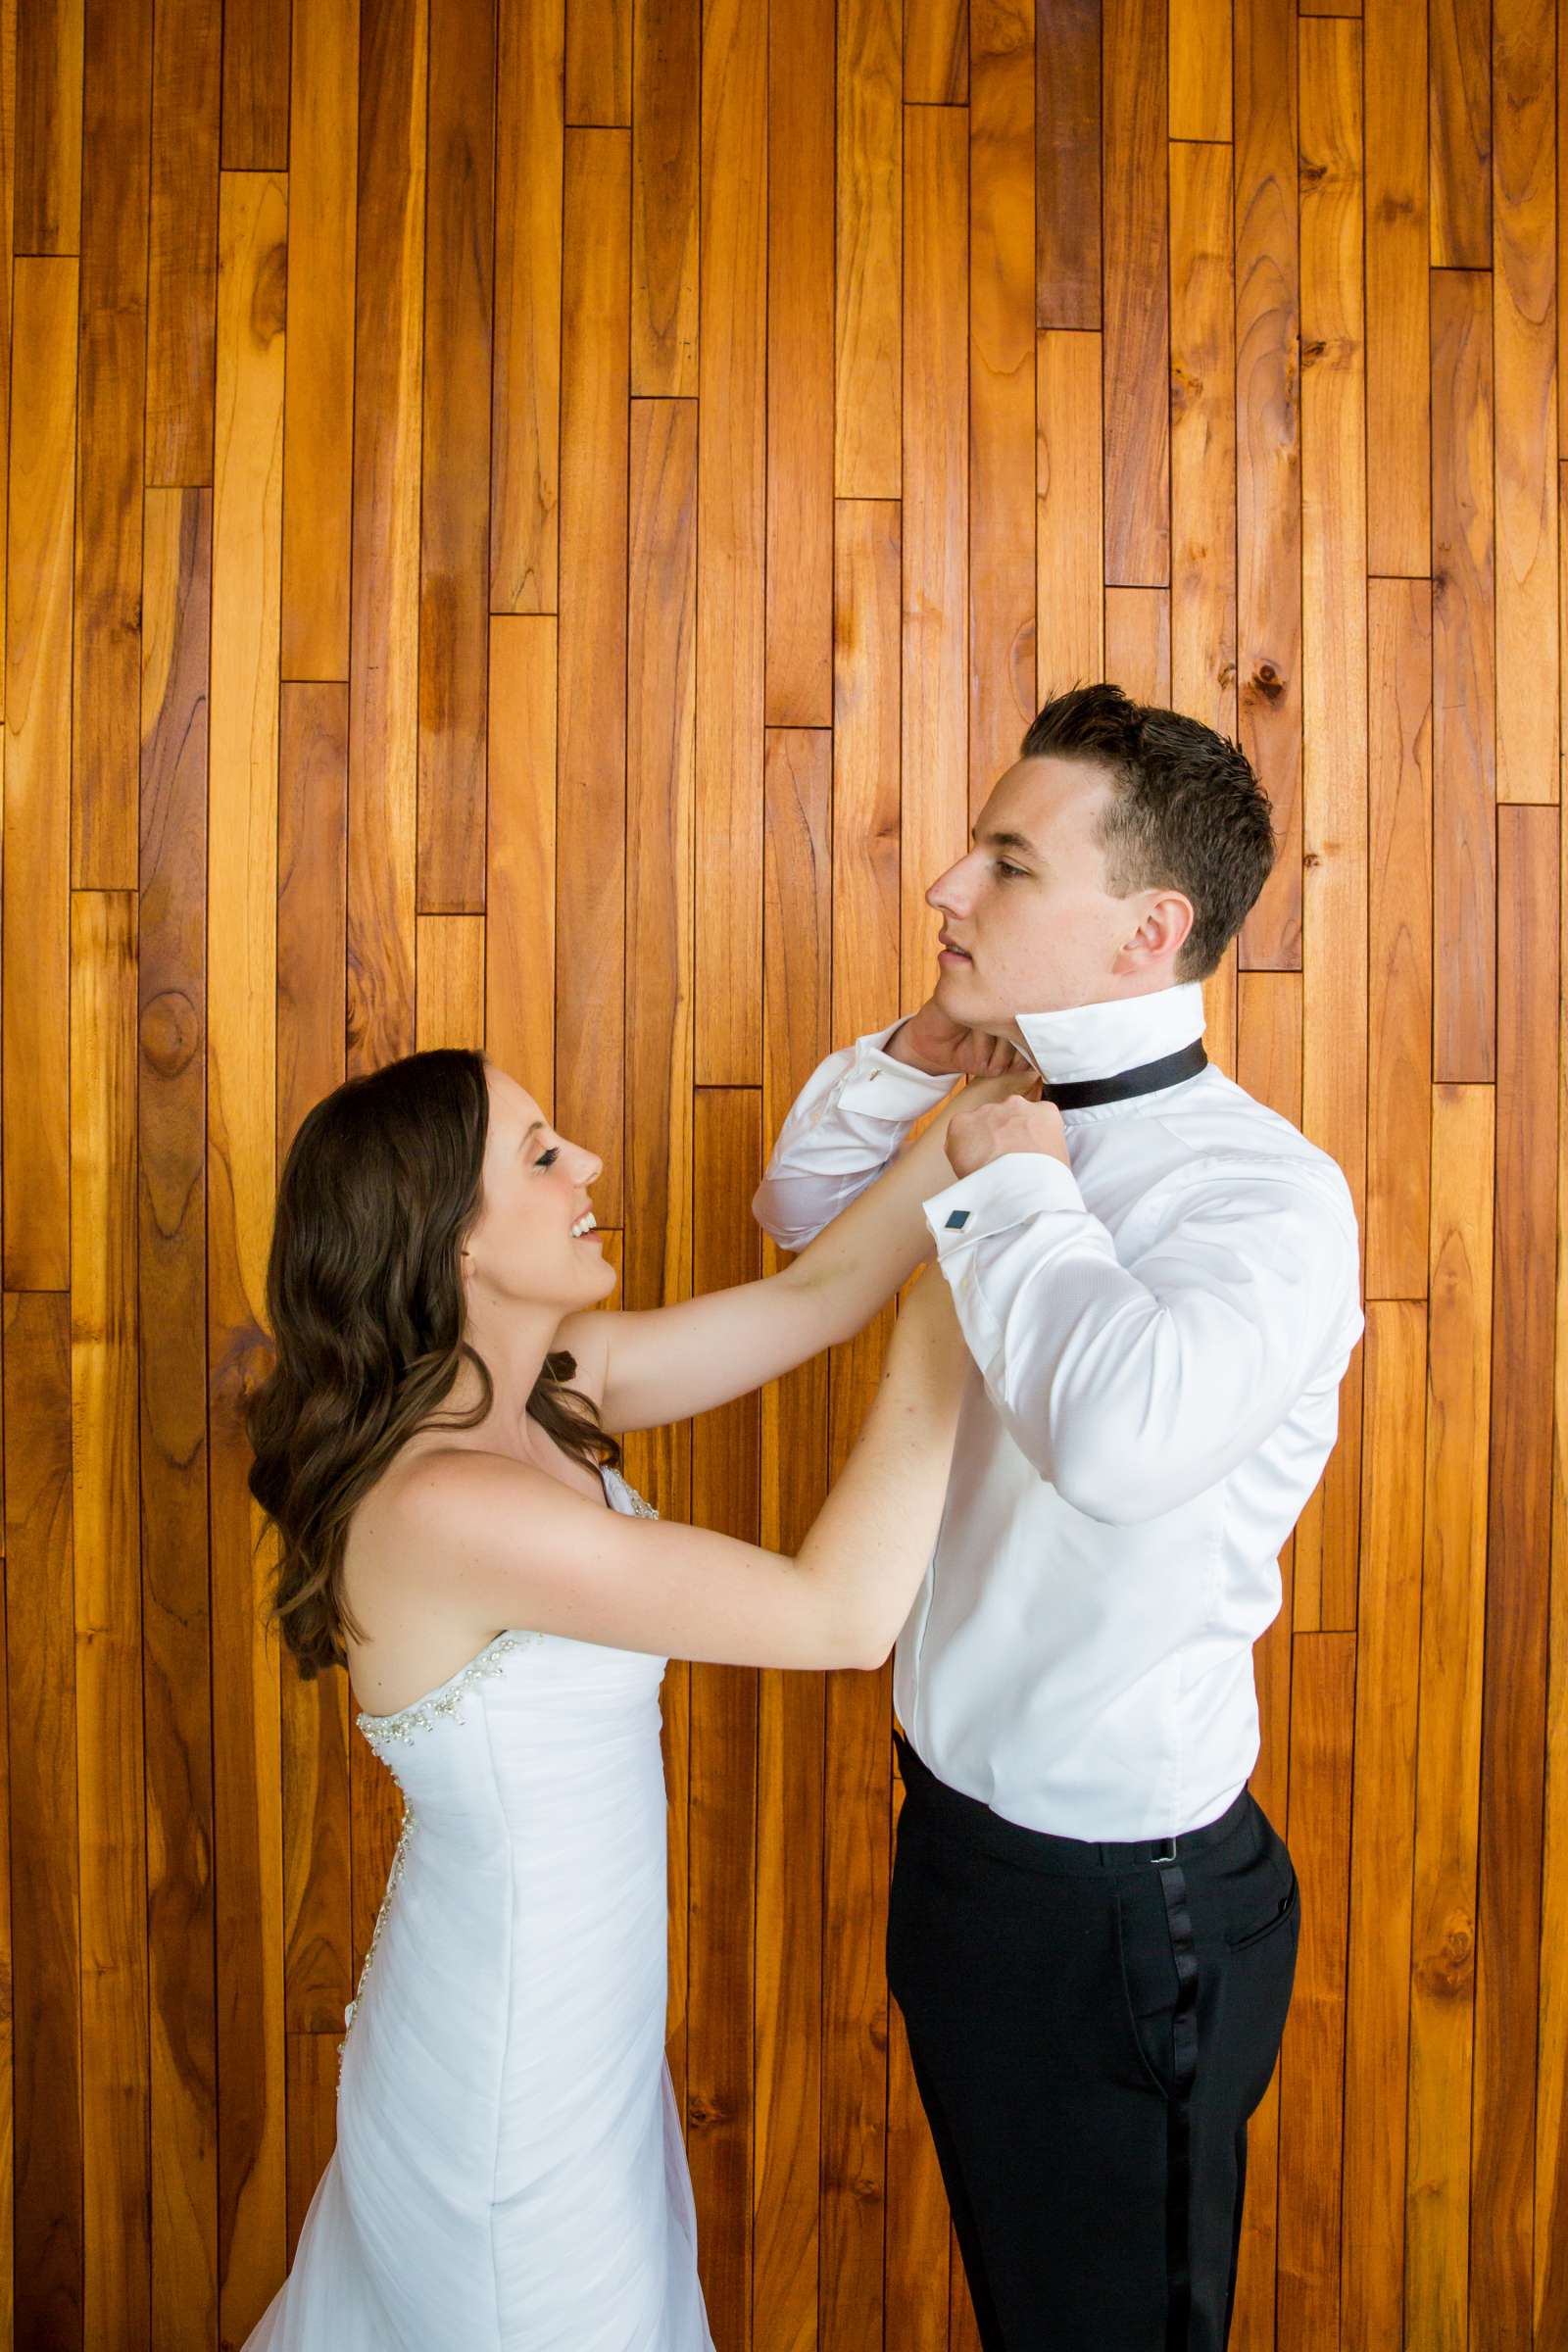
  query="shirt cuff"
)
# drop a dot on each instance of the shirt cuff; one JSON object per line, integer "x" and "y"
{"x": 1004, "y": 1191}
{"x": 888, "y": 1089}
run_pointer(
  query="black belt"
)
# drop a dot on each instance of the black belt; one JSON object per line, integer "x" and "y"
{"x": 1046, "y": 1849}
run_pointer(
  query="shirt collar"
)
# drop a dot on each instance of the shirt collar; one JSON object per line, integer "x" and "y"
{"x": 1095, "y": 1041}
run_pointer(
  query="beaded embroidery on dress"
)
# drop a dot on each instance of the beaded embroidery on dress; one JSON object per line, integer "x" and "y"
{"x": 509, "y": 2170}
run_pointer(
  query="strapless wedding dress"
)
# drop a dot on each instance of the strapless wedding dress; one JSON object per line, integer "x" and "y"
{"x": 509, "y": 2174}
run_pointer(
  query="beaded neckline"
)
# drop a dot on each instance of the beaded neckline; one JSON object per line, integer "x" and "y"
{"x": 446, "y": 1699}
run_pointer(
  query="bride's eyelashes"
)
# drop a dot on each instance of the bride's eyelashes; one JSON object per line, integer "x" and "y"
{"x": 548, "y": 1158}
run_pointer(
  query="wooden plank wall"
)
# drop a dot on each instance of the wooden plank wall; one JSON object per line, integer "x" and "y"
{"x": 856, "y": 378}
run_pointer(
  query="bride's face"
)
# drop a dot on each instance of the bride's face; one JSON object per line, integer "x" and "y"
{"x": 526, "y": 1248}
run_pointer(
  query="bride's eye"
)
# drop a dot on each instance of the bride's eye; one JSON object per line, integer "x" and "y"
{"x": 548, "y": 1158}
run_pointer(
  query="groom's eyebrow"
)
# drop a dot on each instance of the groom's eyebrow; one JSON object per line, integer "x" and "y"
{"x": 1008, "y": 841}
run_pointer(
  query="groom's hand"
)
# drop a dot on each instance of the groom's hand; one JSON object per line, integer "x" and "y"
{"x": 1015, "y": 1124}
{"x": 928, "y": 1041}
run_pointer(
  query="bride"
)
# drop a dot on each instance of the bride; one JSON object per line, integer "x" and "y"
{"x": 453, "y": 1527}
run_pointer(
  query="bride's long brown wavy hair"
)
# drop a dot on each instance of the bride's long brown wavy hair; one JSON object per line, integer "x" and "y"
{"x": 379, "y": 1189}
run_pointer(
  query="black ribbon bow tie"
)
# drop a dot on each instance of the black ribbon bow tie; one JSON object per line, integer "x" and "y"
{"x": 1078, "y": 1094}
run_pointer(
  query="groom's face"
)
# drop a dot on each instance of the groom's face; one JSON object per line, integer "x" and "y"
{"x": 1029, "y": 901}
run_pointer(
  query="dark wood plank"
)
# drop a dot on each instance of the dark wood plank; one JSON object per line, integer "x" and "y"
{"x": 791, "y": 1714}
{"x": 48, "y": 127}
{"x": 172, "y": 1271}
{"x": 1460, "y": 114}
{"x": 1203, "y": 437}
{"x": 41, "y": 1741}
{"x": 936, "y": 52}
{"x": 182, "y": 238}
{"x": 454, "y": 473}
{"x": 731, "y": 524}
{"x": 111, "y": 365}
{"x": 591, "y": 720}
{"x": 723, "y": 1865}
{"x": 311, "y": 923}
{"x": 1398, "y": 324}
{"x": 1513, "y": 1707}
{"x": 256, "y": 85}
{"x": 666, "y": 150}
{"x": 1068, "y": 165}
{"x": 798, "y": 684}
{"x": 1137, "y": 297}
{"x": 1001, "y": 385}
{"x": 1268, "y": 481}
{"x": 526, "y": 388}
{"x": 111, "y": 1803}
{"x": 599, "y": 62}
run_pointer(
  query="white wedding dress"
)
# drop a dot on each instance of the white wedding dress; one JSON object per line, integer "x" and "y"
{"x": 509, "y": 2174}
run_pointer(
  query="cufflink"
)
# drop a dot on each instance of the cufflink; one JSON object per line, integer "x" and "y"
{"x": 958, "y": 1216}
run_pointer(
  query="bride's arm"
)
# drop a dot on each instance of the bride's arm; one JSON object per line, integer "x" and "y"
{"x": 645, "y": 1370}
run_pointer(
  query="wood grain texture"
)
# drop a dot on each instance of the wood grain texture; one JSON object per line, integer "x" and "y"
{"x": 537, "y": 528}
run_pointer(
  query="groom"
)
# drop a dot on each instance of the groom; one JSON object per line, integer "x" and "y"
{"x": 1092, "y": 1925}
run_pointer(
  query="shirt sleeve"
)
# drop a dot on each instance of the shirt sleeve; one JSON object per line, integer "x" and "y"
{"x": 843, "y": 1127}
{"x": 1133, "y": 1387}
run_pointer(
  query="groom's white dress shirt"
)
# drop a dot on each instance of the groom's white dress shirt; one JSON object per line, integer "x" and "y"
{"x": 1158, "y": 1336}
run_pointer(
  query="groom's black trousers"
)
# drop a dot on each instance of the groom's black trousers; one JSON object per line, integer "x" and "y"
{"x": 1090, "y": 2029}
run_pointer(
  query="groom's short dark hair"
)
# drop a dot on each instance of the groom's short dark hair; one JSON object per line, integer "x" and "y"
{"x": 1185, "y": 810}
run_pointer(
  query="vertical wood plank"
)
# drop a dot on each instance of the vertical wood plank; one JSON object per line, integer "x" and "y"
{"x": 385, "y": 609}
{"x": 525, "y": 380}
{"x": 110, "y": 363}
{"x": 1137, "y": 625}
{"x": 241, "y": 1178}
{"x": 726, "y": 1494}
{"x": 791, "y": 1720}
{"x": 731, "y": 524}
{"x": 1313, "y": 2056}
{"x": 34, "y": 939}
{"x": 666, "y": 150}
{"x": 1201, "y": 58}
{"x": 1203, "y": 437}
{"x": 454, "y": 467}
{"x": 598, "y": 65}
{"x": 1513, "y": 1728}
{"x": 590, "y": 874}
{"x": 868, "y": 211}
{"x": 1001, "y": 385}
{"x": 1399, "y": 937}
{"x": 1383, "y": 1829}
{"x": 1334, "y": 661}
{"x": 172, "y": 1271}
{"x": 312, "y": 925}
{"x": 936, "y": 52}
{"x": 1460, "y": 113}
{"x": 1463, "y": 675}
{"x": 1449, "y": 1742}
{"x": 520, "y": 853}
{"x": 256, "y": 85}
{"x": 1070, "y": 639}
{"x": 935, "y": 814}
{"x": 661, "y": 790}
{"x": 111, "y": 1805}
{"x": 1523, "y": 326}
{"x": 1268, "y": 481}
{"x": 42, "y": 1743}
{"x": 318, "y": 371}
{"x": 1068, "y": 165}
{"x": 182, "y": 239}
{"x": 1137, "y": 297}
{"x": 1399, "y": 333}
{"x": 799, "y": 687}
{"x": 48, "y": 169}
